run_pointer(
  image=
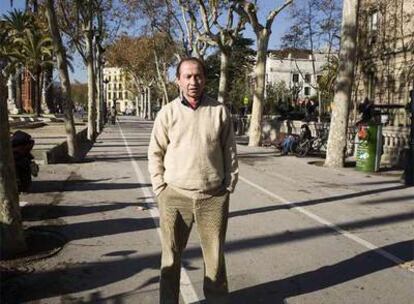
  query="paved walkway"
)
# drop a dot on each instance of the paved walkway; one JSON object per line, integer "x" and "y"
{"x": 298, "y": 233}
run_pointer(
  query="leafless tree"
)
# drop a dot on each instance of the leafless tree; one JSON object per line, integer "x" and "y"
{"x": 335, "y": 155}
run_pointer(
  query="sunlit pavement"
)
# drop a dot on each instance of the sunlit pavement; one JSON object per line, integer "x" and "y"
{"x": 298, "y": 233}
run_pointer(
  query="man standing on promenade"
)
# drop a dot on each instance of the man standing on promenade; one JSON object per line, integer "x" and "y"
{"x": 193, "y": 168}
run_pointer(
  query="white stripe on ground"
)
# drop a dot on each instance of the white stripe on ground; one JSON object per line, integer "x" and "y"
{"x": 187, "y": 289}
{"x": 22, "y": 204}
{"x": 322, "y": 221}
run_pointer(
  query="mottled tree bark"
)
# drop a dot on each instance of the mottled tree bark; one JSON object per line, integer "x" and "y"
{"x": 64, "y": 79}
{"x": 335, "y": 155}
{"x": 255, "y": 130}
{"x": 11, "y": 231}
{"x": 161, "y": 77}
{"x": 224, "y": 71}
{"x": 91, "y": 84}
{"x": 248, "y": 11}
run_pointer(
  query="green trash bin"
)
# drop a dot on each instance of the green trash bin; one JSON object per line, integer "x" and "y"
{"x": 369, "y": 150}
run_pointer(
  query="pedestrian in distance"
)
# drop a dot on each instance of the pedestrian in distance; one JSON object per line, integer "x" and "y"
{"x": 105, "y": 112}
{"x": 81, "y": 111}
{"x": 310, "y": 109}
{"x": 193, "y": 166}
{"x": 113, "y": 114}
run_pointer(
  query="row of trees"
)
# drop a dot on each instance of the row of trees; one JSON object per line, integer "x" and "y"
{"x": 192, "y": 27}
{"x": 188, "y": 28}
{"x": 34, "y": 41}
{"x": 28, "y": 46}
{"x": 171, "y": 29}
{"x": 201, "y": 24}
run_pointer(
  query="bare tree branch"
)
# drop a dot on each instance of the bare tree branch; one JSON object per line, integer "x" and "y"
{"x": 275, "y": 12}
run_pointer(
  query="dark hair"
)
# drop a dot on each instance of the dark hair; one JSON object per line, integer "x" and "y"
{"x": 190, "y": 59}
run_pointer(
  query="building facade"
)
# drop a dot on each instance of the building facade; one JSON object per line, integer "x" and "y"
{"x": 385, "y": 69}
{"x": 119, "y": 90}
{"x": 297, "y": 69}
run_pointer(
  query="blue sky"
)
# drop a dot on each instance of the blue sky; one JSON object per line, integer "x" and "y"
{"x": 280, "y": 25}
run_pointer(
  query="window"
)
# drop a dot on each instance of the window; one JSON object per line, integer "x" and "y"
{"x": 295, "y": 78}
{"x": 120, "y": 95}
{"x": 307, "y": 91}
{"x": 109, "y": 86}
{"x": 372, "y": 27}
{"x": 373, "y": 21}
{"x": 319, "y": 78}
{"x": 307, "y": 78}
{"x": 120, "y": 86}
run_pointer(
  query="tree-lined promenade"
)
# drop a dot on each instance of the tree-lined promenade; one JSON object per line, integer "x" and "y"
{"x": 297, "y": 233}
{"x": 43, "y": 39}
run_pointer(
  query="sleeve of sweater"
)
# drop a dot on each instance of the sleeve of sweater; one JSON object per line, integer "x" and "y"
{"x": 156, "y": 151}
{"x": 231, "y": 167}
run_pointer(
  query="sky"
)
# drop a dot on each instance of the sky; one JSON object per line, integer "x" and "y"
{"x": 280, "y": 25}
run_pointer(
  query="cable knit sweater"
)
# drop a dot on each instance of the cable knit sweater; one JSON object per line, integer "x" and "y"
{"x": 193, "y": 150}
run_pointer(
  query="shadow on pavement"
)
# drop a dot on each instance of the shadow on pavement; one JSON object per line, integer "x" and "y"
{"x": 45, "y": 186}
{"x": 72, "y": 278}
{"x": 257, "y": 155}
{"x": 119, "y": 146}
{"x": 38, "y": 212}
{"x": 118, "y": 158}
{"x": 82, "y": 277}
{"x": 129, "y": 140}
{"x": 358, "y": 266}
{"x": 324, "y": 200}
{"x": 286, "y": 236}
{"x": 388, "y": 200}
{"x": 395, "y": 181}
{"x": 85, "y": 230}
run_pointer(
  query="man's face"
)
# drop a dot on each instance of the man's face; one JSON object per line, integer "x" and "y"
{"x": 191, "y": 80}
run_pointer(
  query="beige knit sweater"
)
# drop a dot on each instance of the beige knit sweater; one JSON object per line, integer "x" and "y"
{"x": 193, "y": 150}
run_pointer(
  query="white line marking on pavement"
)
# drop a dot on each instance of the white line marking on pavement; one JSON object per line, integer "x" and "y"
{"x": 187, "y": 289}
{"x": 322, "y": 221}
{"x": 22, "y": 204}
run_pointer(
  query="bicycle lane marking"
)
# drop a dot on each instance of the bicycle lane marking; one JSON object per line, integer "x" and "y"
{"x": 325, "y": 222}
{"x": 186, "y": 287}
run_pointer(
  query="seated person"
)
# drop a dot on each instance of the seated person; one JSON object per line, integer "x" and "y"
{"x": 305, "y": 133}
{"x": 290, "y": 141}
{"x": 288, "y": 144}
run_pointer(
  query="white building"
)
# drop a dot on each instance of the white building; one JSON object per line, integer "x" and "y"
{"x": 119, "y": 90}
{"x": 295, "y": 68}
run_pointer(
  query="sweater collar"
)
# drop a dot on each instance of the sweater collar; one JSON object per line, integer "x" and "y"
{"x": 186, "y": 103}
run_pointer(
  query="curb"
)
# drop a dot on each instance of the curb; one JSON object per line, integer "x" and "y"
{"x": 59, "y": 153}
